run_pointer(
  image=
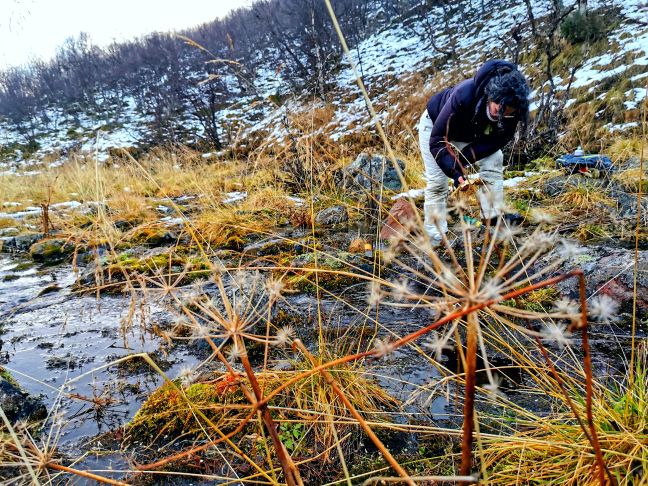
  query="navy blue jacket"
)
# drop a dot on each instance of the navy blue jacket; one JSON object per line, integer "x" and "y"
{"x": 459, "y": 115}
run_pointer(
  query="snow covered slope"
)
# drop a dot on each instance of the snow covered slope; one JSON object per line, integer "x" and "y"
{"x": 385, "y": 60}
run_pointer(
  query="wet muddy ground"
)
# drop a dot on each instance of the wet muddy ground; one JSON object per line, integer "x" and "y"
{"x": 56, "y": 343}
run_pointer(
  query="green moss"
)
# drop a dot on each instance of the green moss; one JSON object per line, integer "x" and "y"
{"x": 191, "y": 267}
{"x": 167, "y": 411}
{"x": 21, "y": 267}
{"x": 591, "y": 231}
{"x": 307, "y": 281}
{"x": 154, "y": 236}
{"x": 5, "y": 375}
{"x": 536, "y": 301}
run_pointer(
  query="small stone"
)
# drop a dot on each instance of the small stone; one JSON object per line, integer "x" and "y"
{"x": 332, "y": 215}
{"x": 268, "y": 247}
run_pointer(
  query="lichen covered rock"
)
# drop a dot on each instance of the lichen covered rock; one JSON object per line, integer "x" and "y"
{"x": 53, "y": 250}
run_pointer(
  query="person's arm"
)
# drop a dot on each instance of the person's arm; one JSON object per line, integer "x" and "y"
{"x": 446, "y": 156}
{"x": 475, "y": 151}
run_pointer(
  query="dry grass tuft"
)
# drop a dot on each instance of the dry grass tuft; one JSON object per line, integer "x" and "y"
{"x": 553, "y": 450}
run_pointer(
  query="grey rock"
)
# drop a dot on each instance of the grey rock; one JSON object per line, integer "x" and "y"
{"x": 366, "y": 173}
{"x": 152, "y": 252}
{"x": 272, "y": 246}
{"x": 332, "y": 215}
{"x": 627, "y": 203}
{"x": 124, "y": 225}
{"x": 560, "y": 184}
{"x": 610, "y": 271}
{"x": 52, "y": 250}
{"x": 20, "y": 244}
{"x": 9, "y": 232}
{"x": 18, "y": 405}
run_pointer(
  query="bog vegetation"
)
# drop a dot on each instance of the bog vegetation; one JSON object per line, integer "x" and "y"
{"x": 496, "y": 323}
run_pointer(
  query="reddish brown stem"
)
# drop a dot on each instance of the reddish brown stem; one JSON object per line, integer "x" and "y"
{"x": 415, "y": 335}
{"x": 365, "y": 426}
{"x": 469, "y": 400}
{"x": 85, "y": 474}
{"x": 194, "y": 450}
{"x": 587, "y": 361}
{"x": 291, "y": 472}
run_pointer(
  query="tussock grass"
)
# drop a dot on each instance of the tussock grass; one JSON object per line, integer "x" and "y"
{"x": 624, "y": 148}
{"x": 584, "y": 198}
{"x": 553, "y": 449}
{"x": 629, "y": 180}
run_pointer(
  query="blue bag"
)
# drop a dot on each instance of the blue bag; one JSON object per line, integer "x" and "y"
{"x": 583, "y": 163}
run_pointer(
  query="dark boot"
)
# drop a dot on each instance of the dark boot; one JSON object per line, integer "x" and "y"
{"x": 510, "y": 219}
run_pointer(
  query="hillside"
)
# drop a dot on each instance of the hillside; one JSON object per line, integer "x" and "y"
{"x": 600, "y": 84}
{"x": 217, "y": 268}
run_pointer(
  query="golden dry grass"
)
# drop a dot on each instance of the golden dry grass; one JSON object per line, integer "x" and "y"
{"x": 553, "y": 449}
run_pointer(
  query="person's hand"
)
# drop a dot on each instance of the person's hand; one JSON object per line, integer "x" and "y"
{"x": 463, "y": 183}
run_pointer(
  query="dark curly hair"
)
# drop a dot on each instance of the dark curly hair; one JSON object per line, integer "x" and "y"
{"x": 510, "y": 89}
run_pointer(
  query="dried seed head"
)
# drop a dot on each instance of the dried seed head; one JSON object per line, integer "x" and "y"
{"x": 274, "y": 288}
{"x": 539, "y": 241}
{"x": 460, "y": 205}
{"x": 493, "y": 387}
{"x": 491, "y": 290}
{"x": 284, "y": 336}
{"x": 389, "y": 255}
{"x": 556, "y": 333}
{"x": 603, "y": 308}
{"x": 217, "y": 268}
{"x": 375, "y": 293}
{"x": 566, "y": 306}
{"x": 401, "y": 289}
{"x": 234, "y": 353}
{"x": 200, "y": 331}
{"x": 187, "y": 376}
{"x": 568, "y": 250}
{"x": 383, "y": 347}
{"x": 448, "y": 277}
{"x": 539, "y": 216}
{"x": 437, "y": 344}
{"x": 507, "y": 233}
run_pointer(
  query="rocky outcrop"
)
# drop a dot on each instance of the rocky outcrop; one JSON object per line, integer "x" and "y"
{"x": 19, "y": 244}
{"x": 610, "y": 271}
{"x": 369, "y": 172}
{"x": 17, "y": 404}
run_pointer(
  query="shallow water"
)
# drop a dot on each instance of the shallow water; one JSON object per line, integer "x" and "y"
{"x": 50, "y": 342}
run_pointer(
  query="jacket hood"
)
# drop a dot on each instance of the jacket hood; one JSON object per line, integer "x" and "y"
{"x": 487, "y": 71}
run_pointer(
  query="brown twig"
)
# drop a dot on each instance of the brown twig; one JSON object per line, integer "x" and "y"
{"x": 587, "y": 360}
{"x": 416, "y": 334}
{"x": 289, "y": 468}
{"x": 85, "y": 474}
